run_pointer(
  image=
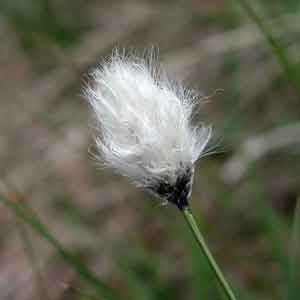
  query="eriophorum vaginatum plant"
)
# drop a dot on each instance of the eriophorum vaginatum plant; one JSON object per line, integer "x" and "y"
{"x": 145, "y": 132}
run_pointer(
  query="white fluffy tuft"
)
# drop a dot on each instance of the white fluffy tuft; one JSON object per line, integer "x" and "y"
{"x": 144, "y": 121}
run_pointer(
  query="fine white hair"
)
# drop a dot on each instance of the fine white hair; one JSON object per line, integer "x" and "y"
{"x": 144, "y": 123}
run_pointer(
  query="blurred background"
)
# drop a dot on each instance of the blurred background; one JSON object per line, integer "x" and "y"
{"x": 244, "y": 194}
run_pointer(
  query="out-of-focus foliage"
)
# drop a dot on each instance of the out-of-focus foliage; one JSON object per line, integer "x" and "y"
{"x": 38, "y": 20}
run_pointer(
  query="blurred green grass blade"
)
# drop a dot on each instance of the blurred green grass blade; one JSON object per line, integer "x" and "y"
{"x": 32, "y": 219}
{"x": 293, "y": 285}
{"x": 276, "y": 45}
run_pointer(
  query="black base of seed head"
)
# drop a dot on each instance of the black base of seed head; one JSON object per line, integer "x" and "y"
{"x": 177, "y": 193}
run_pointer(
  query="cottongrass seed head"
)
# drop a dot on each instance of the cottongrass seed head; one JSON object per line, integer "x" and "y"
{"x": 144, "y": 125}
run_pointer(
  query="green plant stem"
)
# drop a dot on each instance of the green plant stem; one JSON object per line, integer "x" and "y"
{"x": 205, "y": 250}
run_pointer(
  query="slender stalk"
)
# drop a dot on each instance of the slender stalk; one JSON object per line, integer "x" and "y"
{"x": 205, "y": 250}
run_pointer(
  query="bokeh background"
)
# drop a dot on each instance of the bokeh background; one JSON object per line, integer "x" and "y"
{"x": 244, "y": 194}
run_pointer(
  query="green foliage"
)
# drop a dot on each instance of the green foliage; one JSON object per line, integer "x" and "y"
{"x": 280, "y": 6}
{"x": 271, "y": 223}
{"x": 30, "y": 218}
{"x": 141, "y": 272}
{"x": 231, "y": 63}
{"x": 227, "y": 18}
{"x": 278, "y": 48}
{"x": 37, "y": 21}
{"x": 293, "y": 281}
{"x": 66, "y": 209}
